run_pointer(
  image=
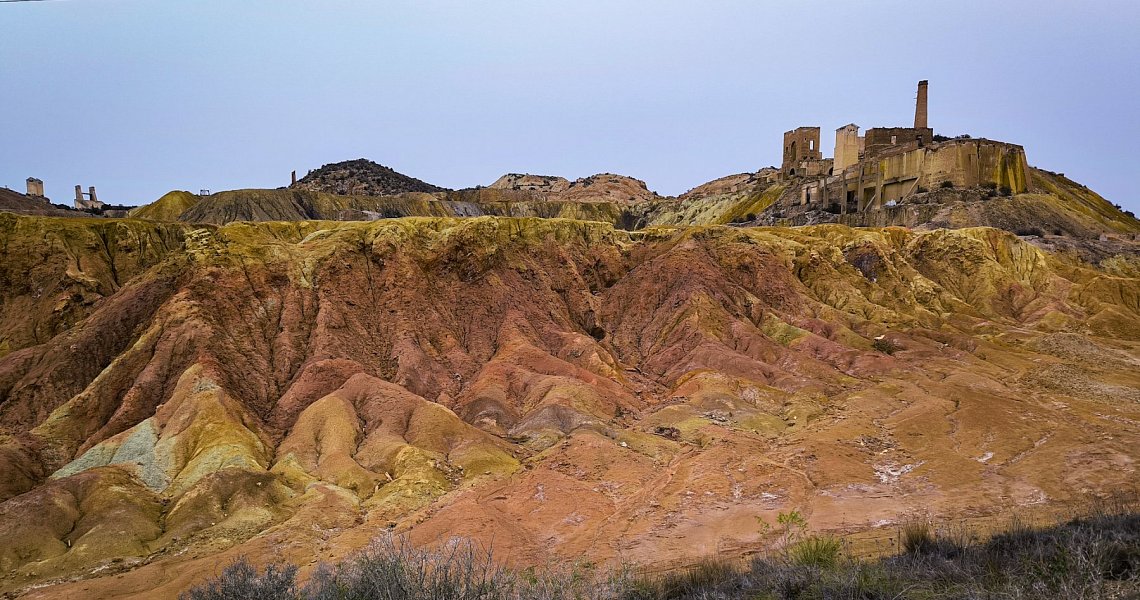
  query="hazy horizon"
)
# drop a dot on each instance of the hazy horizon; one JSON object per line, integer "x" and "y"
{"x": 139, "y": 98}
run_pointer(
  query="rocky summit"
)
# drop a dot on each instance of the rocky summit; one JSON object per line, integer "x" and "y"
{"x": 361, "y": 177}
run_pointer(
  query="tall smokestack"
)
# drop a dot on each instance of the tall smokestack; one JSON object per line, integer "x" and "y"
{"x": 920, "y": 107}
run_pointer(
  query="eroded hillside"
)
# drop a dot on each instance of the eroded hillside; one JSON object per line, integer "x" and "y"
{"x": 188, "y": 393}
{"x": 1059, "y": 212}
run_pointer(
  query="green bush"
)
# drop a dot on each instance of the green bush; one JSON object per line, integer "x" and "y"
{"x": 885, "y": 346}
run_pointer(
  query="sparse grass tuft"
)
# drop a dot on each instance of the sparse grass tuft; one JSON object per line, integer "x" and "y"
{"x": 696, "y": 581}
{"x": 818, "y": 551}
{"x": 917, "y": 537}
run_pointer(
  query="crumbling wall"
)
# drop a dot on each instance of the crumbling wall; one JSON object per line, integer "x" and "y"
{"x": 800, "y": 145}
{"x": 883, "y": 139}
{"x": 847, "y": 147}
{"x": 969, "y": 163}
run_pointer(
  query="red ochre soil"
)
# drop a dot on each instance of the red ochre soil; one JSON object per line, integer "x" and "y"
{"x": 173, "y": 396}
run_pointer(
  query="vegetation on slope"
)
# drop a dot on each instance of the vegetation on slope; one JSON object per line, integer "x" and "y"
{"x": 1089, "y": 557}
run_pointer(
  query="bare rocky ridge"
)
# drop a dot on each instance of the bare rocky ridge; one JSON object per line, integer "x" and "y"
{"x": 731, "y": 184}
{"x": 14, "y": 202}
{"x": 173, "y": 395}
{"x": 601, "y": 188}
{"x": 361, "y": 177}
{"x": 361, "y": 190}
{"x": 608, "y": 187}
{"x": 1052, "y": 205}
{"x": 531, "y": 183}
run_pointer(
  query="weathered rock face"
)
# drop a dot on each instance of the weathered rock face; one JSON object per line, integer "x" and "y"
{"x": 607, "y": 187}
{"x": 361, "y": 177}
{"x": 618, "y": 190}
{"x": 567, "y": 389}
{"x": 741, "y": 183}
{"x": 531, "y": 183}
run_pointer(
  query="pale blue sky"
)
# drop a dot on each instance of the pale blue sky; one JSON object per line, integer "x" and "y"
{"x": 138, "y": 97}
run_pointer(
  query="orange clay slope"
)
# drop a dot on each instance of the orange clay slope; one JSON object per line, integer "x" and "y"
{"x": 173, "y": 396}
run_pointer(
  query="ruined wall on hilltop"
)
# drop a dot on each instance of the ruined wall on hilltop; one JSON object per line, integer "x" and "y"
{"x": 969, "y": 163}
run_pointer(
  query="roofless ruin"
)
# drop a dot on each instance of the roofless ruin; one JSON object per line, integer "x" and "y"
{"x": 888, "y": 164}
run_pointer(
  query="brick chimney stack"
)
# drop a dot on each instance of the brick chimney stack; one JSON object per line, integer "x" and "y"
{"x": 920, "y": 107}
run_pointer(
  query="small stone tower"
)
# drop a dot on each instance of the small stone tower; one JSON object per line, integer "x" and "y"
{"x": 920, "y": 106}
{"x": 35, "y": 188}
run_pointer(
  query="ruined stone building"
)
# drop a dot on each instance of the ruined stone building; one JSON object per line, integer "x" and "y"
{"x": 802, "y": 156}
{"x": 87, "y": 200}
{"x": 36, "y": 189}
{"x": 887, "y": 164}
